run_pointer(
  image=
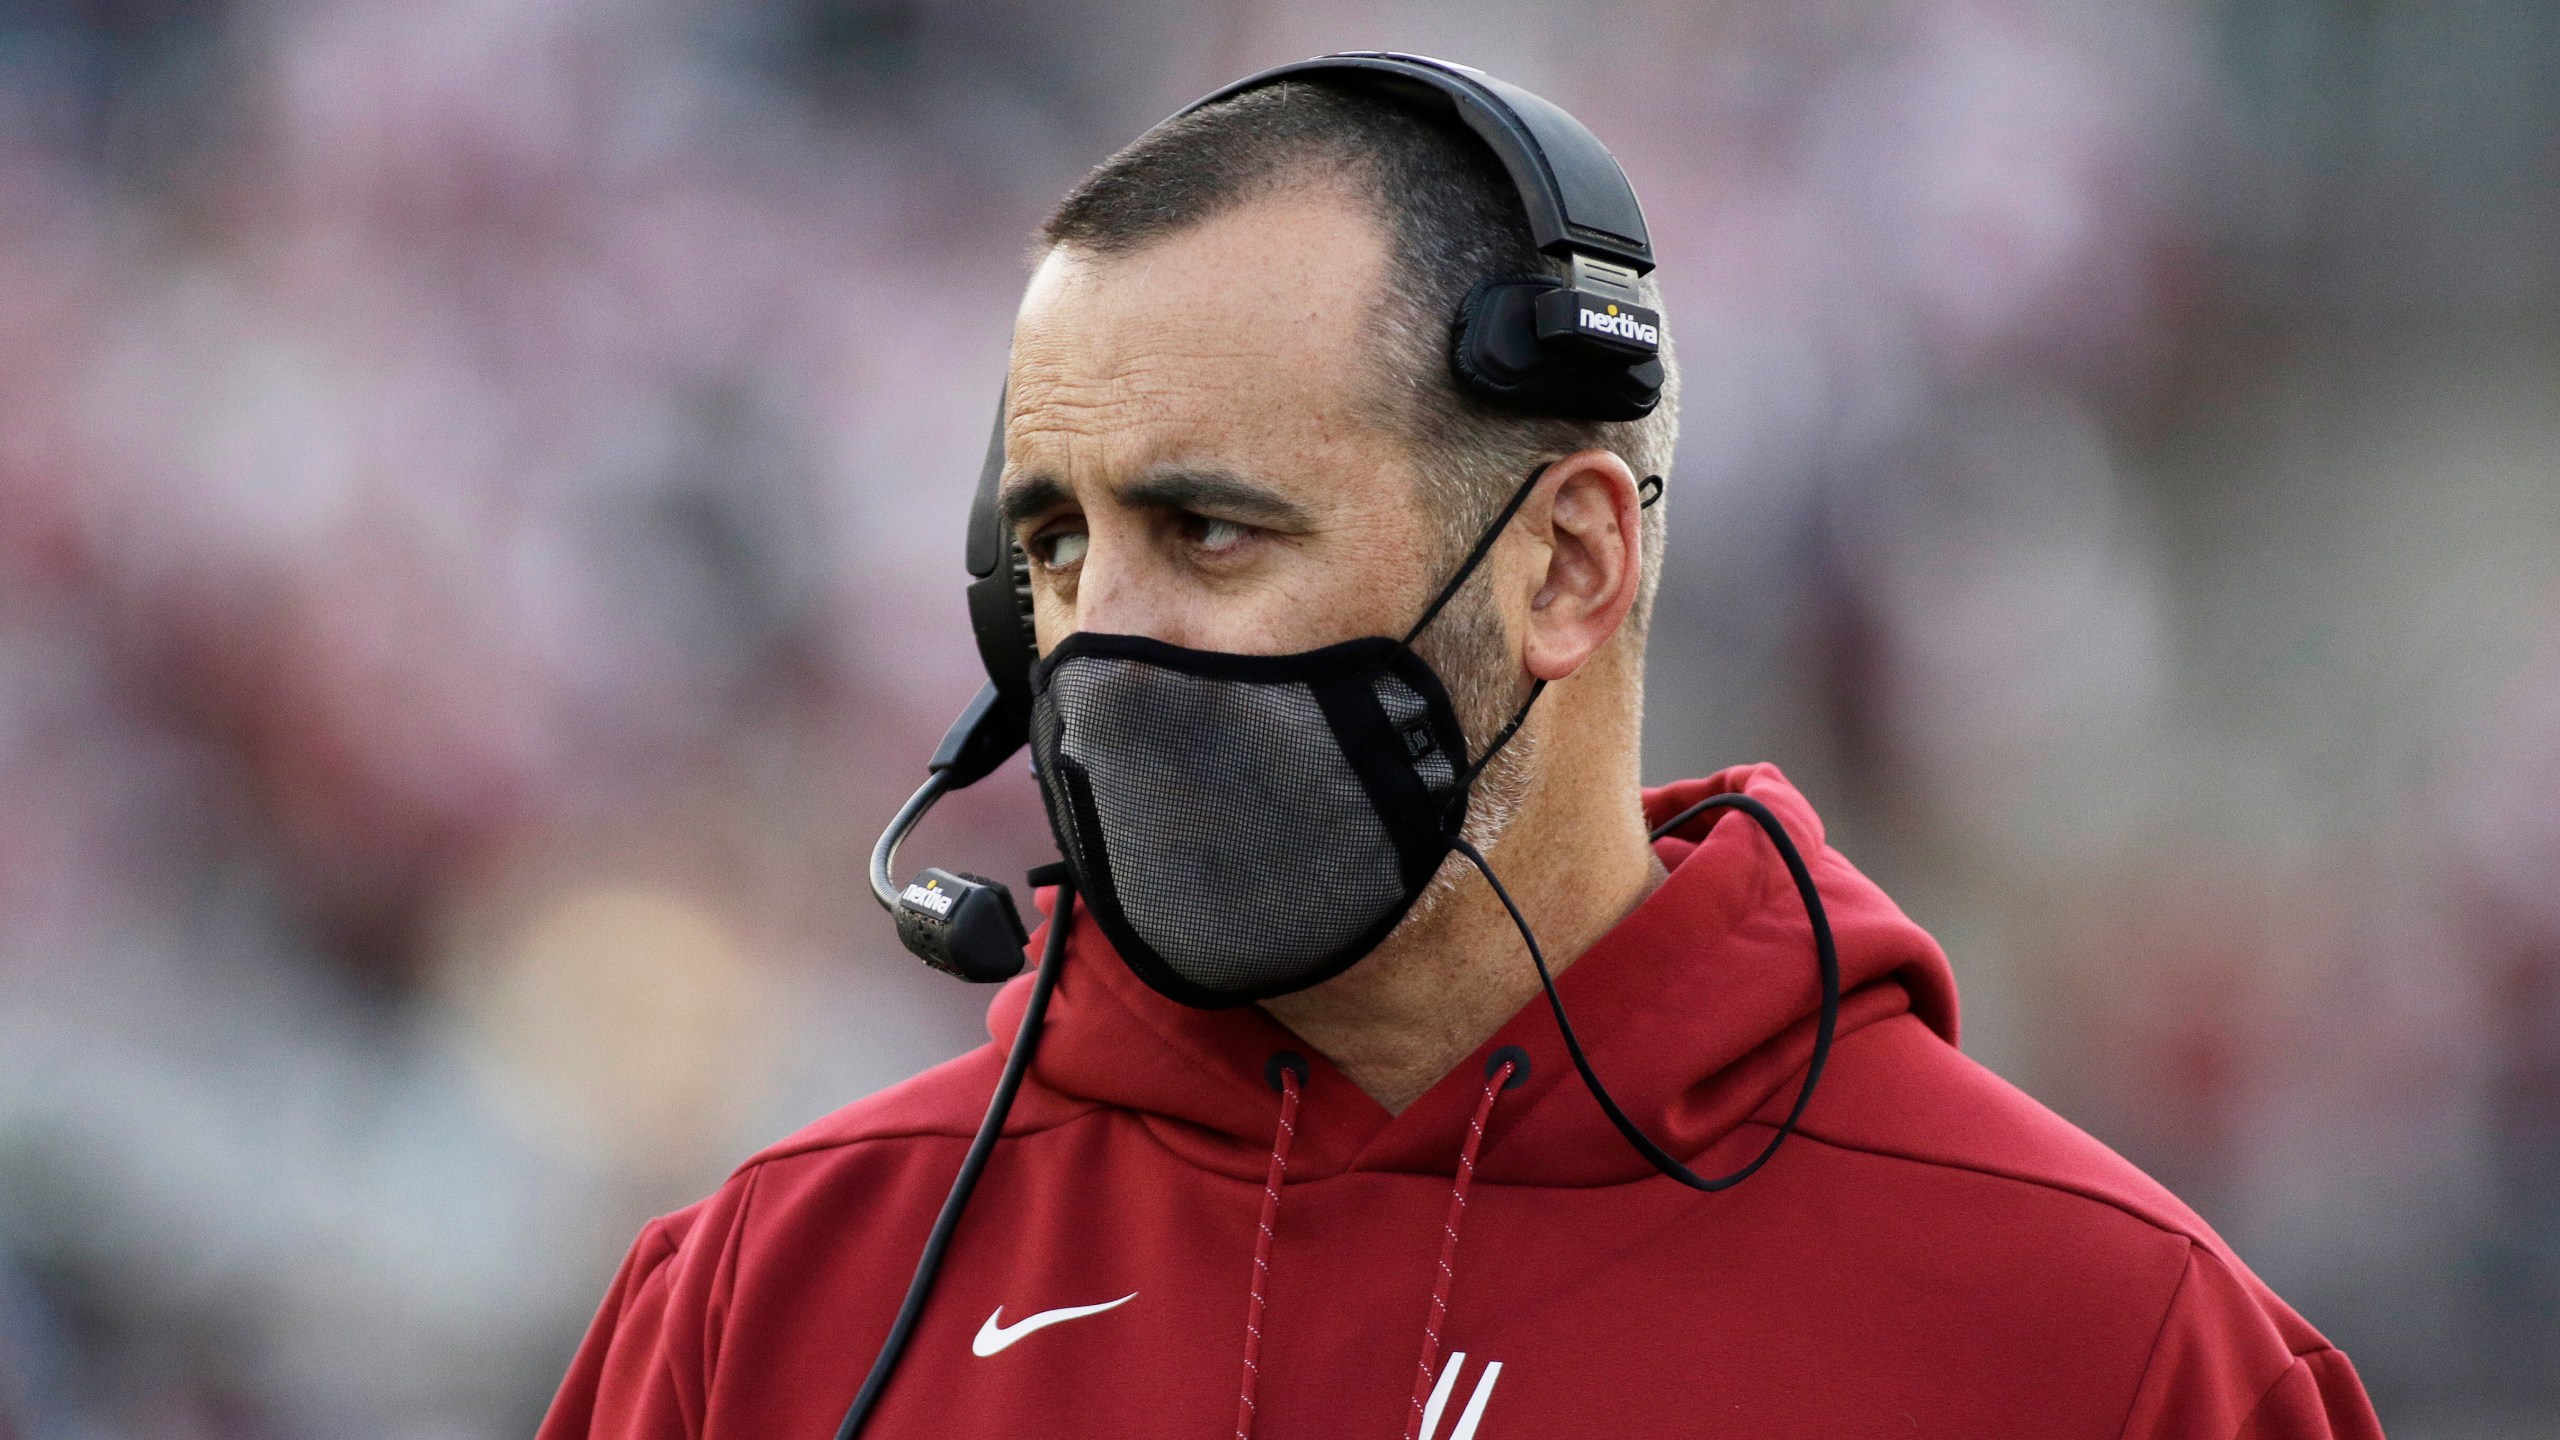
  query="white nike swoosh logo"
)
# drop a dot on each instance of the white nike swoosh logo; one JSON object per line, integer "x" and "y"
{"x": 994, "y": 1335}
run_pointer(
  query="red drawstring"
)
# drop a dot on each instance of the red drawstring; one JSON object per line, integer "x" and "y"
{"x": 1288, "y": 1078}
{"x": 1466, "y": 1175}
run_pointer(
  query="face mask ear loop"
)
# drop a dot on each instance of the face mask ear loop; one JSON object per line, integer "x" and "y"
{"x": 1536, "y": 688}
{"x": 1475, "y": 557}
{"x": 1448, "y": 592}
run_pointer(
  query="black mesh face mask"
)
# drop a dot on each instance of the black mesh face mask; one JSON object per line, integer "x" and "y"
{"x": 1242, "y": 826}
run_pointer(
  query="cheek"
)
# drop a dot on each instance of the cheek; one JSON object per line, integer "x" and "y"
{"x": 1320, "y": 593}
{"x": 1052, "y": 617}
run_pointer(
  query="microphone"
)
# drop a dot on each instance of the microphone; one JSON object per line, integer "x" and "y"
{"x": 960, "y": 924}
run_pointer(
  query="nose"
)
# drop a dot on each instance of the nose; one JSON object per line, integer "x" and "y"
{"x": 1123, "y": 587}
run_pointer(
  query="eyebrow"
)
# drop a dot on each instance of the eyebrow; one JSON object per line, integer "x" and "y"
{"x": 1037, "y": 495}
{"x": 1219, "y": 493}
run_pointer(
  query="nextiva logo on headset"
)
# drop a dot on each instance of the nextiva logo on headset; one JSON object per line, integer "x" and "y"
{"x": 1634, "y": 326}
{"x": 929, "y": 896}
{"x": 1610, "y": 324}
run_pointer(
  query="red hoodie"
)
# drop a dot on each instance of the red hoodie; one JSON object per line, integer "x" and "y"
{"x": 1932, "y": 1254}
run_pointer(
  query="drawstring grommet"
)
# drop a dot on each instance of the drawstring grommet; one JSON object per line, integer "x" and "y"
{"x": 1284, "y": 1060}
{"x": 1516, "y": 1058}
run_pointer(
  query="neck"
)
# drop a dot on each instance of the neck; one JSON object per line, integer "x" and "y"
{"x": 1576, "y": 859}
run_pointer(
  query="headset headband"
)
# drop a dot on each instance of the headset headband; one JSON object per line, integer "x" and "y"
{"x": 1574, "y": 193}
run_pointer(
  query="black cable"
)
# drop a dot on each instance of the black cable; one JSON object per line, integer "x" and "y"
{"x": 1824, "y": 953}
{"x": 1025, "y": 1041}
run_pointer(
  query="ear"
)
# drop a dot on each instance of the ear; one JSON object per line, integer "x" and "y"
{"x": 1588, "y": 513}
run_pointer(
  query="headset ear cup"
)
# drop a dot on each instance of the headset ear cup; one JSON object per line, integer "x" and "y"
{"x": 1497, "y": 356}
{"x": 1493, "y": 345}
{"x": 1026, "y": 627}
{"x": 1000, "y": 615}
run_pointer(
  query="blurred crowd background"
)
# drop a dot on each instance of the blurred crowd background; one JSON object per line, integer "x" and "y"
{"x": 480, "y": 495}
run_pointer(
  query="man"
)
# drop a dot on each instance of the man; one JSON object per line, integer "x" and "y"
{"x": 1386, "y": 1203}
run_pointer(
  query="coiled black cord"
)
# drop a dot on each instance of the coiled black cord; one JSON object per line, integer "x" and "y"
{"x": 1026, "y": 1041}
{"x": 1825, "y": 954}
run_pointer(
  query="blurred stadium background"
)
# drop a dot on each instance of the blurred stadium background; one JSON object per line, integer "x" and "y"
{"x": 480, "y": 495}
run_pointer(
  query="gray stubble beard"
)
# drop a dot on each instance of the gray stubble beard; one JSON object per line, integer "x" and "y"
{"x": 1466, "y": 646}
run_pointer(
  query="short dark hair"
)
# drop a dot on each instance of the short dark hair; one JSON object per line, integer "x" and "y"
{"x": 1452, "y": 217}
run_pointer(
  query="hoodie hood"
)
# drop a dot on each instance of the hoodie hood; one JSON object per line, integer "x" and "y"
{"x": 1697, "y": 1010}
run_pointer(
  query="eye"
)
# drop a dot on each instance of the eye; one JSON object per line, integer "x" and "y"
{"x": 1219, "y": 536}
{"x": 1058, "y": 549}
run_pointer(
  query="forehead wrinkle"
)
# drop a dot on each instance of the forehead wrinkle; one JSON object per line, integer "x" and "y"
{"x": 1140, "y": 425}
{"x": 1205, "y": 354}
{"x": 1170, "y": 320}
{"x": 1146, "y": 392}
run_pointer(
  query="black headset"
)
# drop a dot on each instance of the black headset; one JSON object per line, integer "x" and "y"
{"x": 1580, "y": 346}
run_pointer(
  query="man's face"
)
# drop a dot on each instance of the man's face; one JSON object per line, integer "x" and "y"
{"x": 1191, "y": 451}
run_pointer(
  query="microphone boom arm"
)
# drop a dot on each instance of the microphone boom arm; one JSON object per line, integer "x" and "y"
{"x": 960, "y": 924}
{"x": 885, "y": 854}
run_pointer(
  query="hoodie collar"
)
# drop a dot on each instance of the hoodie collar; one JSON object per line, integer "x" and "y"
{"x": 1697, "y": 1010}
